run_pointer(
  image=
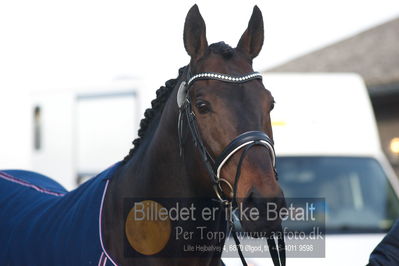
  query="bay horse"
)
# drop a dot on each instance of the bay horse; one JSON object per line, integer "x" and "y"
{"x": 207, "y": 135}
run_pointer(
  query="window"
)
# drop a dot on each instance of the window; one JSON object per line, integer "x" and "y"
{"x": 37, "y": 128}
{"x": 358, "y": 194}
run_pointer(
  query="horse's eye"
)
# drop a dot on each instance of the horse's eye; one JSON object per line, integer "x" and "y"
{"x": 202, "y": 107}
{"x": 272, "y": 105}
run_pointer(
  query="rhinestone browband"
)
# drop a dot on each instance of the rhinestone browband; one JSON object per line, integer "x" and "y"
{"x": 224, "y": 77}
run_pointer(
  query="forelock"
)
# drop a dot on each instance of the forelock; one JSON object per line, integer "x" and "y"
{"x": 223, "y": 49}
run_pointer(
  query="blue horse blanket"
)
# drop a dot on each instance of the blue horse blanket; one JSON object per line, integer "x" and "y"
{"x": 43, "y": 224}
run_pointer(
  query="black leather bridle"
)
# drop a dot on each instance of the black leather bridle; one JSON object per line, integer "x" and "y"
{"x": 243, "y": 142}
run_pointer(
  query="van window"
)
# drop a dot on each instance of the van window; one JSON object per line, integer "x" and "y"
{"x": 358, "y": 195}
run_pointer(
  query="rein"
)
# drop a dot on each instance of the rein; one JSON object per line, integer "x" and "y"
{"x": 213, "y": 166}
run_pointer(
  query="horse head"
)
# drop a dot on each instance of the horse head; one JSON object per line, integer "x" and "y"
{"x": 227, "y": 109}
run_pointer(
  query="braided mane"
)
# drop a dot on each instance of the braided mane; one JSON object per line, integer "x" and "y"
{"x": 163, "y": 93}
{"x": 157, "y": 105}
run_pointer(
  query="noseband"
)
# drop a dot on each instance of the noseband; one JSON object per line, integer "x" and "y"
{"x": 244, "y": 141}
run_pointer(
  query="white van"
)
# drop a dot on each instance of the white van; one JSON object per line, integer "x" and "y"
{"x": 327, "y": 145}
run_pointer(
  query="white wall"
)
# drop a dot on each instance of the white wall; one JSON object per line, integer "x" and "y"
{"x": 15, "y": 129}
{"x": 105, "y": 126}
{"x": 56, "y": 156}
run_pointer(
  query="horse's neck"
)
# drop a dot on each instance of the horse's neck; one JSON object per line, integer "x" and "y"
{"x": 156, "y": 171}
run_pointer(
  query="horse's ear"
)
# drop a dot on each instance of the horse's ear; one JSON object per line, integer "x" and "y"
{"x": 252, "y": 40}
{"x": 195, "y": 34}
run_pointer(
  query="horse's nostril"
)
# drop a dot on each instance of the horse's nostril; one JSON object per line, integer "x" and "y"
{"x": 250, "y": 198}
